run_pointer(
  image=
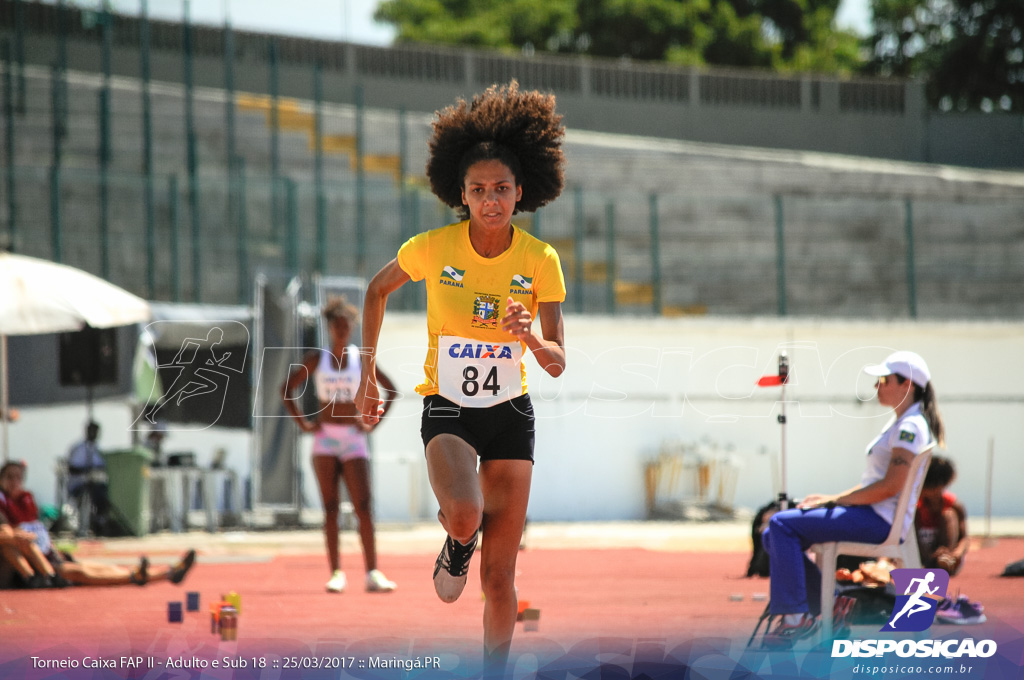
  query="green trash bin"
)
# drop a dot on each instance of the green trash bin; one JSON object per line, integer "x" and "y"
{"x": 128, "y": 487}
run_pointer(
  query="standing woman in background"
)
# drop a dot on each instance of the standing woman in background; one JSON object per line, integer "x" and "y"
{"x": 340, "y": 446}
{"x": 487, "y": 282}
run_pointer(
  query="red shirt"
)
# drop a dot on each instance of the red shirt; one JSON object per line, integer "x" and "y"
{"x": 21, "y": 508}
{"x": 925, "y": 518}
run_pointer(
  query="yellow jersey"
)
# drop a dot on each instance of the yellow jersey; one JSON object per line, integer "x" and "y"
{"x": 466, "y": 298}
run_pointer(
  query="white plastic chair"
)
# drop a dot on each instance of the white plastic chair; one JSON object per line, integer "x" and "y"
{"x": 899, "y": 546}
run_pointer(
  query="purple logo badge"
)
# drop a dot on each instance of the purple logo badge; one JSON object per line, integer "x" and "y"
{"x": 918, "y": 592}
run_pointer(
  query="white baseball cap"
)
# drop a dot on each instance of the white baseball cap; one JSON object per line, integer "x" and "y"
{"x": 910, "y": 365}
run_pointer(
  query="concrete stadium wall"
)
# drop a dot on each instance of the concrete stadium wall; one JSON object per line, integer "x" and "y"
{"x": 845, "y": 217}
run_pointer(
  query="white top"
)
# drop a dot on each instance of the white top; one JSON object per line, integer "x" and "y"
{"x": 338, "y": 385}
{"x": 83, "y": 458}
{"x": 909, "y": 432}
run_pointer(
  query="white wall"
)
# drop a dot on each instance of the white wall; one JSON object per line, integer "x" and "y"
{"x": 44, "y": 434}
{"x": 633, "y": 383}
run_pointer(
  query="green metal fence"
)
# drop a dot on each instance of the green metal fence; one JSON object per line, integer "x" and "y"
{"x": 180, "y": 193}
{"x": 666, "y": 254}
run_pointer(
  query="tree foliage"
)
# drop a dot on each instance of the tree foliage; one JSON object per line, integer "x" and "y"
{"x": 970, "y": 51}
{"x": 778, "y": 34}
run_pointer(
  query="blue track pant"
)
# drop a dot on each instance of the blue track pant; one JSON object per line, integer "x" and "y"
{"x": 795, "y": 578}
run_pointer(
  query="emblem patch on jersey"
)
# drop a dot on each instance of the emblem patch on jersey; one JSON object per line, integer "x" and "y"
{"x": 485, "y": 311}
{"x": 450, "y": 276}
{"x": 907, "y": 436}
{"x": 520, "y": 284}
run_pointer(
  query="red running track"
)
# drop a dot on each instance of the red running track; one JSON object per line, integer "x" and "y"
{"x": 643, "y": 596}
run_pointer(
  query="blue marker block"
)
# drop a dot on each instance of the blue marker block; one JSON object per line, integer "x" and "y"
{"x": 174, "y": 612}
{"x": 192, "y": 602}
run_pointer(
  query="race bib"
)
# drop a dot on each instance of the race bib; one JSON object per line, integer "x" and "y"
{"x": 478, "y": 374}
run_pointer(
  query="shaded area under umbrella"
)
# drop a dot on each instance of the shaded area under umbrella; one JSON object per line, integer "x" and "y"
{"x": 38, "y": 296}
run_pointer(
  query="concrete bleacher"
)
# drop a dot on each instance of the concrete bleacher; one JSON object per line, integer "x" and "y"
{"x": 844, "y": 218}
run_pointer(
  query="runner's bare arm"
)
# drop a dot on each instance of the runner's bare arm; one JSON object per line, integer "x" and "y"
{"x": 389, "y": 279}
{"x": 549, "y": 350}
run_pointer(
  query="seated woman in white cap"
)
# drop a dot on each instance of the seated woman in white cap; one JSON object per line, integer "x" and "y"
{"x": 864, "y": 513}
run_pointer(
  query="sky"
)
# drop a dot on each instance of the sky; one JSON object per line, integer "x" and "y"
{"x": 348, "y": 20}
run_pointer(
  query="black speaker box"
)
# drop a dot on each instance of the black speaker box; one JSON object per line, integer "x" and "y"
{"x": 88, "y": 357}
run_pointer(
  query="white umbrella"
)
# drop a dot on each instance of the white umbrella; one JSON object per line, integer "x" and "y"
{"x": 37, "y": 296}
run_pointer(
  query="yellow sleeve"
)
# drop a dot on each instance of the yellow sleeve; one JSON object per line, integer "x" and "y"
{"x": 413, "y": 257}
{"x": 550, "y": 284}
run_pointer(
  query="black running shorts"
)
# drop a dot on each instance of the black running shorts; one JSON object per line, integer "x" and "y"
{"x": 501, "y": 432}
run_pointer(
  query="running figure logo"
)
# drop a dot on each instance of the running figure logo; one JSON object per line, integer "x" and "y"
{"x": 922, "y": 589}
{"x": 202, "y": 366}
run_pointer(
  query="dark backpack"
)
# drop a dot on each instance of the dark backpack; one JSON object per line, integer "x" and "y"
{"x": 759, "y": 559}
{"x": 872, "y": 605}
{"x": 1014, "y": 569}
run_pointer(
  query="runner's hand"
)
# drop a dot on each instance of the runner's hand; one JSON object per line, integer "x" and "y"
{"x": 368, "y": 401}
{"x": 517, "y": 320}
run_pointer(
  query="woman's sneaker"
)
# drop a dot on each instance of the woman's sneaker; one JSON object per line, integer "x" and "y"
{"x": 377, "y": 582}
{"x": 338, "y": 582}
{"x": 961, "y": 611}
{"x": 786, "y": 634}
{"x": 451, "y": 568}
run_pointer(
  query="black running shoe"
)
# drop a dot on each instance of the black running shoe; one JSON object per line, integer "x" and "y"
{"x": 451, "y": 568}
{"x": 180, "y": 570}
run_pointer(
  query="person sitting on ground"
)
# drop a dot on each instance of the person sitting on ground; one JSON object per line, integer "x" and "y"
{"x": 941, "y": 520}
{"x": 19, "y": 506}
{"x": 87, "y": 477}
{"x": 21, "y": 563}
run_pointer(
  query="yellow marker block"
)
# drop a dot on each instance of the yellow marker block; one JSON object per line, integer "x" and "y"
{"x": 235, "y": 600}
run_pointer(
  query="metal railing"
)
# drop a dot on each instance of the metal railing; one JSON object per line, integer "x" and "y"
{"x": 599, "y": 77}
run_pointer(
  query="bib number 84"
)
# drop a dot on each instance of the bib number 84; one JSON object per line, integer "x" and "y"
{"x": 470, "y": 386}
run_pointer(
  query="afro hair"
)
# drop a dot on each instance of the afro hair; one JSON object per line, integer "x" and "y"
{"x": 338, "y": 306}
{"x": 520, "y": 129}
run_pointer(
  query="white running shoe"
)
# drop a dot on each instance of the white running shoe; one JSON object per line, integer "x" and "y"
{"x": 337, "y": 583}
{"x": 451, "y": 568}
{"x": 377, "y": 582}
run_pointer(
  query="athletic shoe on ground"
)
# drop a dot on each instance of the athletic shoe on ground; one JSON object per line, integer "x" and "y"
{"x": 37, "y": 581}
{"x": 842, "y": 612}
{"x": 451, "y": 568}
{"x": 181, "y": 569}
{"x": 785, "y": 635}
{"x": 377, "y": 582}
{"x": 140, "y": 576}
{"x": 337, "y": 583}
{"x": 961, "y": 611}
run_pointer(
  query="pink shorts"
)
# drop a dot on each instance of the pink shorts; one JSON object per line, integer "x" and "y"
{"x": 346, "y": 442}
